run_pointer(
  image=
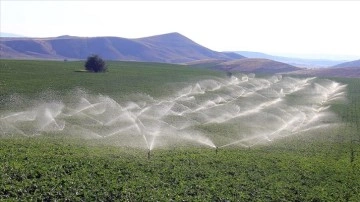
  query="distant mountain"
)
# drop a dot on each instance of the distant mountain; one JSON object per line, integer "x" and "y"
{"x": 347, "y": 69}
{"x": 178, "y": 48}
{"x": 299, "y": 62}
{"x": 247, "y": 65}
{"x": 352, "y": 64}
{"x": 330, "y": 72}
{"x": 169, "y": 48}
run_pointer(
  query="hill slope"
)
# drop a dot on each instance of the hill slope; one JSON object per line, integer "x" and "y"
{"x": 352, "y": 64}
{"x": 330, "y": 72}
{"x": 170, "y": 48}
{"x": 248, "y": 65}
{"x": 299, "y": 62}
{"x": 348, "y": 69}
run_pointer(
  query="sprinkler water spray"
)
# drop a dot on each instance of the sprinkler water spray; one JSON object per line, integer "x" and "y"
{"x": 245, "y": 108}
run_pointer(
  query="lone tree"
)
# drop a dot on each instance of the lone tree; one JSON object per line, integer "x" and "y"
{"x": 95, "y": 63}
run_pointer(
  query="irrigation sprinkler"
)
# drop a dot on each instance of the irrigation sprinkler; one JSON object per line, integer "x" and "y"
{"x": 149, "y": 154}
{"x": 228, "y": 74}
{"x": 352, "y": 152}
{"x": 216, "y": 150}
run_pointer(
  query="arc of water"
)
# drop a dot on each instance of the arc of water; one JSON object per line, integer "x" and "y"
{"x": 48, "y": 119}
{"x": 14, "y": 128}
{"x": 312, "y": 128}
{"x": 152, "y": 143}
{"x": 284, "y": 127}
{"x": 139, "y": 126}
{"x": 20, "y": 116}
{"x": 121, "y": 130}
{"x": 89, "y": 105}
{"x": 234, "y": 143}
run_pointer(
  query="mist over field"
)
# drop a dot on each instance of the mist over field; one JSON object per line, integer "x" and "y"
{"x": 241, "y": 110}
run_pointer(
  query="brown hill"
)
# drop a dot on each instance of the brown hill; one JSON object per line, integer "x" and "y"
{"x": 170, "y": 48}
{"x": 348, "y": 69}
{"x": 298, "y": 62}
{"x": 256, "y": 65}
{"x": 330, "y": 72}
{"x": 207, "y": 63}
{"x": 352, "y": 64}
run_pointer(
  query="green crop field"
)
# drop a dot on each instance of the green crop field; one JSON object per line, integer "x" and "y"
{"x": 31, "y": 78}
{"x": 64, "y": 134}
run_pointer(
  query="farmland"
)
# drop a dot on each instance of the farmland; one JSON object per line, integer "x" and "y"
{"x": 317, "y": 165}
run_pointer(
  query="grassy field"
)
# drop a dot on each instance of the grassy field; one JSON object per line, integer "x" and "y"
{"x": 320, "y": 166}
{"x": 32, "y": 79}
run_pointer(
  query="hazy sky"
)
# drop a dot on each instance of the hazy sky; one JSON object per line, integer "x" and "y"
{"x": 292, "y": 27}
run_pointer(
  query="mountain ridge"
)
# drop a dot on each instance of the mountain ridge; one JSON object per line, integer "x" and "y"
{"x": 168, "y": 48}
{"x": 165, "y": 48}
{"x": 299, "y": 62}
{"x": 348, "y": 69}
{"x": 351, "y": 64}
{"x": 247, "y": 65}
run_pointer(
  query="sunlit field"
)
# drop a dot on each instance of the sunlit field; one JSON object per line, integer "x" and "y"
{"x": 149, "y": 131}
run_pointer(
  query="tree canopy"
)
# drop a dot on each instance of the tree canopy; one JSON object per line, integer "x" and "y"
{"x": 95, "y": 63}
